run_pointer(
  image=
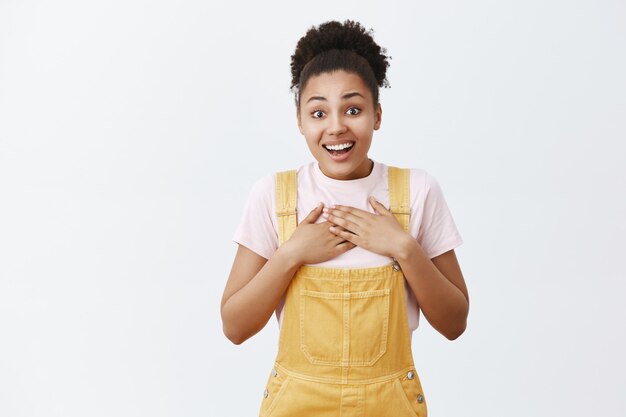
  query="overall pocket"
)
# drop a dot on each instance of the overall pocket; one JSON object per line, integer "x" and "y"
{"x": 339, "y": 329}
{"x": 274, "y": 389}
{"x": 410, "y": 391}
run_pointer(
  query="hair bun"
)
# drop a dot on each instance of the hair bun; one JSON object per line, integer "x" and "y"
{"x": 349, "y": 35}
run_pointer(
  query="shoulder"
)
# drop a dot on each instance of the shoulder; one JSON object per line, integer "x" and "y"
{"x": 421, "y": 181}
{"x": 264, "y": 185}
{"x": 424, "y": 179}
{"x": 300, "y": 170}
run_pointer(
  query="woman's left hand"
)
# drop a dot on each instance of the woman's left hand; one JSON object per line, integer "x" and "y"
{"x": 379, "y": 233}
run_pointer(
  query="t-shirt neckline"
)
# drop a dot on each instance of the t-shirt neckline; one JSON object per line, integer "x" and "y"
{"x": 373, "y": 175}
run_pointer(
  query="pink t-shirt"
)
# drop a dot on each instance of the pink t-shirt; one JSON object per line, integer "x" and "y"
{"x": 431, "y": 222}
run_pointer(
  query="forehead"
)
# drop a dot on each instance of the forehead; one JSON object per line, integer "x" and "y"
{"x": 334, "y": 85}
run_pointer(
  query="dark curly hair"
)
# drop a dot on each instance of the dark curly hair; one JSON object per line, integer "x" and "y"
{"x": 336, "y": 46}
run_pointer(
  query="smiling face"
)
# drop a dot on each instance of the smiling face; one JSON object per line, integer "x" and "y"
{"x": 337, "y": 116}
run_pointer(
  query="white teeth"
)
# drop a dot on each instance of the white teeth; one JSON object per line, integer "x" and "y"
{"x": 339, "y": 147}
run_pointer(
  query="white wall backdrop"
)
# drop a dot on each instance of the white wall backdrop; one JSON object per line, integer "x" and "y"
{"x": 131, "y": 132}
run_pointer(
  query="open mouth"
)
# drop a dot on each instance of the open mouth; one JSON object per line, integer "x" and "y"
{"x": 339, "y": 149}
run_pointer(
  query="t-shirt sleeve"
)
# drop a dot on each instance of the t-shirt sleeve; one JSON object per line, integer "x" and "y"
{"x": 257, "y": 228}
{"x": 437, "y": 232}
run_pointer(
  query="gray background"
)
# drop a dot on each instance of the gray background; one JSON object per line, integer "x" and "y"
{"x": 132, "y": 131}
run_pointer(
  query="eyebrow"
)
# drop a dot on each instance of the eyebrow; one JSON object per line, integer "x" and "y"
{"x": 344, "y": 97}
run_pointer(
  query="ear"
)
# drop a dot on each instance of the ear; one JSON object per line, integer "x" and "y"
{"x": 378, "y": 116}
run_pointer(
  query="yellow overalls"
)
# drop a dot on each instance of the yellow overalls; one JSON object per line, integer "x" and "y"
{"x": 345, "y": 346}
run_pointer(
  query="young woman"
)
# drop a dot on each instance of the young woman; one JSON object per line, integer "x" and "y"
{"x": 345, "y": 250}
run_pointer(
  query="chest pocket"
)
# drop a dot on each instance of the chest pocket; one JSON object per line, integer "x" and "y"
{"x": 340, "y": 329}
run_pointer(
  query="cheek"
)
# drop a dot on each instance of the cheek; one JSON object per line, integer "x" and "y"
{"x": 310, "y": 131}
{"x": 311, "y": 139}
{"x": 364, "y": 132}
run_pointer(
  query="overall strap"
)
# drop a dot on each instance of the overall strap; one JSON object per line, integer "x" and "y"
{"x": 399, "y": 195}
{"x": 286, "y": 204}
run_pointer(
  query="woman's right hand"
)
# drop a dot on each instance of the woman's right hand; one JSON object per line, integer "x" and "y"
{"x": 255, "y": 284}
{"x": 313, "y": 243}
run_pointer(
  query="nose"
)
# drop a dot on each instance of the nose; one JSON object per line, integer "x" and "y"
{"x": 336, "y": 125}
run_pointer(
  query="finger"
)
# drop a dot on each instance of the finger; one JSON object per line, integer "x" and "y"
{"x": 344, "y": 234}
{"x": 348, "y": 209}
{"x": 344, "y": 247}
{"x": 326, "y": 224}
{"x": 343, "y": 223}
{"x": 337, "y": 240}
{"x": 314, "y": 214}
{"x": 346, "y": 215}
{"x": 380, "y": 209}
{"x": 329, "y": 224}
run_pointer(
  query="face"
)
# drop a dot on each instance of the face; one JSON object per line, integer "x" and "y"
{"x": 337, "y": 117}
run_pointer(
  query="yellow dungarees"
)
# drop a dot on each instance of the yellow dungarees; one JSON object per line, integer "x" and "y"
{"x": 345, "y": 346}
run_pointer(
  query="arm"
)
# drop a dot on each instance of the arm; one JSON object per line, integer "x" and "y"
{"x": 438, "y": 284}
{"x": 253, "y": 290}
{"x": 256, "y": 285}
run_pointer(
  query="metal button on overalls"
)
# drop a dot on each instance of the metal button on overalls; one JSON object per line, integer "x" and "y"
{"x": 396, "y": 265}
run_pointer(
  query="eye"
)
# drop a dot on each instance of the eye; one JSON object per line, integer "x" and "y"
{"x": 353, "y": 111}
{"x": 317, "y": 114}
